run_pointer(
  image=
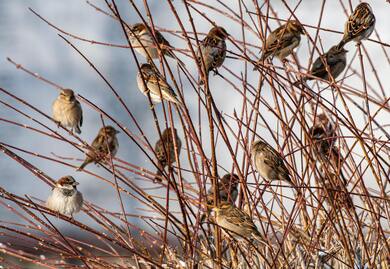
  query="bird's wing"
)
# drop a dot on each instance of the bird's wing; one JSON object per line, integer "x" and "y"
{"x": 361, "y": 20}
{"x": 280, "y": 38}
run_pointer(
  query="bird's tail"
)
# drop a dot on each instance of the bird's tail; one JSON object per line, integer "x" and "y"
{"x": 341, "y": 44}
{"x": 84, "y": 164}
{"x": 77, "y": 129}
{"x": 173, "y": 98}
{"x": 158, "y": 176}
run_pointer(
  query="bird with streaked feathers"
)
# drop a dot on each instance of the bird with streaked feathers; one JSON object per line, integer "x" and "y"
{"x": 156, "y": 85}
{"x": 165, "y": 150}
{"x": 141, "y": 38}
{"x": 103, "y": 145}
{"x": 282, "y": 41}
{"x": 236, "y": 223}
{"x": 360, "y": 24}
{"x": 270, "y": 164}
{"x": 213, "y": 50}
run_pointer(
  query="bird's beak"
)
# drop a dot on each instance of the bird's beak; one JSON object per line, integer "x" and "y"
{"x": 75, "y": 183}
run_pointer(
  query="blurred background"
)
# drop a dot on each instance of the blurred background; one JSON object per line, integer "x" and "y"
{"x": 29, "y": 41}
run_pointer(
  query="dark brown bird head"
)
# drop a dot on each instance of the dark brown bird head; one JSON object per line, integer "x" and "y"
{"x": 167, "y": 133}
{"x": 258, "y": 146}
{"x": 218, "y": 32}
{"x": 67, "y": 182}
{"x": 67, "y": 94}
{"x": 335, "y": 51}
{"x": 147, "y": 68}
{"x": 230, "y": 180}
{"x": 363, "y": 6}
{"x": 138, "y": 28}
{"x": 295, "y": 26}
{"x": 108, "y": 130}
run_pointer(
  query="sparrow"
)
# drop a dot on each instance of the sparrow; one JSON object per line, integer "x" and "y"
{"x": 323, "y": 134}
{"x": 336, "y": 60}
{"x": 227, "y": 188}
{"x": 139, "y": 34}
{"x": 67, "y": 111}
{"x": 166, "y": 146}
{"x": 65, "y": 198}
{"x": 213, "y": 49}
{"x": 156, "y": 85}
{"x": 324, "y": 137}
{"x": 282, "y": 41}
{"x": 335, "y": 187}
{"x": 105, "y": 143}
{"x": 269, "y": 163}
{"x": 360, "y": 24}
{"x": 236, "y": 223}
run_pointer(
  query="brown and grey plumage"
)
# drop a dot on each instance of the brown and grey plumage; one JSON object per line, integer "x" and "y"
{"x": 165, "y": 150}
{"x": 236, "y": 223}
{"x": 324, "y": 137}
{"x": 228, "y": 189}
{"x": 67, "y": 111}
{"x": 104, "y": 144}
{"x": 335, "y": 187}
{"x": 155, "y": 84}
{"x": 141, "y": 34}
{"x": 281, "y": 42}
{"x": 270, "y": 164}
{"x": 213, "y": 49}
{"x": 335, "y": 59}
{"x": 360, "y": 24}
{"x": 323, "y": 134}
{"x": 65, "y": 198}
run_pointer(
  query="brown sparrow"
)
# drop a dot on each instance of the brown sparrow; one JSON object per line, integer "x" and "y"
{"x": 156, "y": 85}
{"x": 324, "y": 137}
{"x": 228, "y": 189}
{"x": 105, "y": 143}
{"x": 360, "y": 24}
{"x": 336, "y": 191}
{"x": 269, "y": 163}
{"x": 165, "y": 146}
{"x": 323, "y": 134}
{"x": 67, "y": 111}
{"x": 336, "y": 60}
{"x": 65, "y": 198}
{"x": 213, "y": 49}
{"x": 236, "y": 223}
{"x": 283, "y": 41}
{"x": 141, "y": 34}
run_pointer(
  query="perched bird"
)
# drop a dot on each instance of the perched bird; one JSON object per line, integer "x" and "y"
{"x": 67, "y": 111}
{"x": 324, "y": 137}
{"x": 335, "y": 59}
{"x": 213, "y": 49}
{"x": 323, "y": 134}
{"x": 360, "y": 24}
{"x": 269, "y": 163}
{"x": 283, "y": 41}
{"x": 105, "y": 143}
{"x": 165, "y": 150}
{"x": 156, "y": 85}
{"x": 236, "y": 223}
{"x": 65, "y": 198}
{"x": 228, "y": 189}
{"x": 141, "y": 38}
{"x": 335, "y": 187}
